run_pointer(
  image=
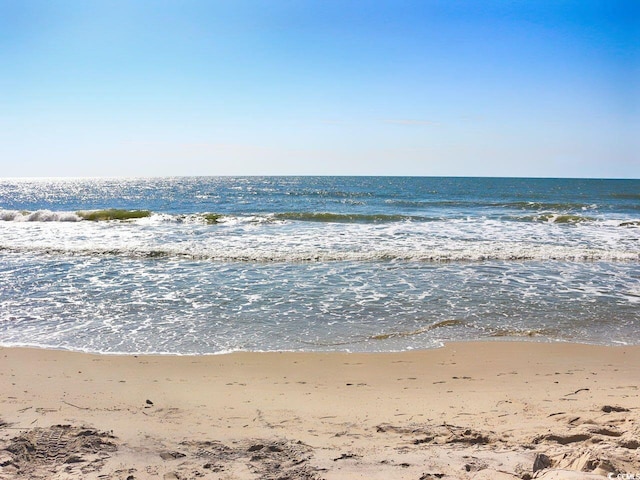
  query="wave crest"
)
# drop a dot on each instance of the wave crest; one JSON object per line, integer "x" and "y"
{"x": 284, "y": 254}
{"x": 213, "y": 218}
{"x": 328, "y": 217}
{"x": 38, "y": 216}
{"x": 112, "y": 214}
{"x": 442, "y": 324}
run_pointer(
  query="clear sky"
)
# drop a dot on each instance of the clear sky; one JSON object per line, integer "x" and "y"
{"x": 424, "y": 87}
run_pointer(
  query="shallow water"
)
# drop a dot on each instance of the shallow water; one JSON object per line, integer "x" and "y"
{"x": 316, "y": 263}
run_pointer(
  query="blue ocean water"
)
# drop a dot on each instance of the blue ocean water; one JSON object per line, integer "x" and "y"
{"x": 206, "y": 265}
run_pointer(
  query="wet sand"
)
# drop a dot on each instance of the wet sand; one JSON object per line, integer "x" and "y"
{"x": 477, "y": 410}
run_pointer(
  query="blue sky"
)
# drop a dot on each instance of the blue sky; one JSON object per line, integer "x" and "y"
{"x": 489, "y": 88}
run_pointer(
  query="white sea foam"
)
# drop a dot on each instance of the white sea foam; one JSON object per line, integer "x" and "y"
{"x": 38, "y": 216}
{"x": 229, "y": 240}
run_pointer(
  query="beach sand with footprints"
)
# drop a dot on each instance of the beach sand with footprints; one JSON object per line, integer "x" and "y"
{"x": 477, "y": 410}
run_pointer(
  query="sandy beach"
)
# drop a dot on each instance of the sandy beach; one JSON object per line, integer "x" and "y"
{"x": 477, "y": 410}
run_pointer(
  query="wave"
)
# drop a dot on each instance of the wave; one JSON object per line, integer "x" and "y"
{"x": 330, "y": 194}
{"x": 212, "y": 218}
{"x": 514, "y": 332}
{"x": 518, "y": 205}
{"x": 327, "y": 217}
{"x": 38, "y": 216}
{"x": 282, "y": 254}
{"x": 538, "y": 206}
{"x": 444, "y": 323}
{"x": 564, "y": 218}
{"x": 109, "y": 214}
{"x": 553, "y": 217}
{"x": 112, "y": 214}
{"x": 626, "y": 196}
{"x": 571, "y": 218}
{"x": 90, "y": 215}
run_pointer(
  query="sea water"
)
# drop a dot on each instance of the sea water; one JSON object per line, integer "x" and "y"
{"x": 206, "y": 265}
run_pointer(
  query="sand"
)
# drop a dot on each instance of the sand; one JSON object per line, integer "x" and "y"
{"x": 477, "y": 410}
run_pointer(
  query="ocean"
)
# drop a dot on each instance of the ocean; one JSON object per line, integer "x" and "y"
{"x": 206, "y": 265}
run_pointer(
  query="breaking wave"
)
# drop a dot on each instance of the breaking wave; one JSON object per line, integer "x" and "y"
{"x": 302, "y": 254}
{"x": 38, "y": 216}
{"x": 420, "y": 331}
{"x": 123, "y": 215}
{"x": 344, "y": 217}
{"x": 112, "y": 214}
{"x": 109, "y": 214}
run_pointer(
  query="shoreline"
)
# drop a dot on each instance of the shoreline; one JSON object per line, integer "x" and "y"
{"x": 483, "y": 409}
{"x": 443, "y": 344}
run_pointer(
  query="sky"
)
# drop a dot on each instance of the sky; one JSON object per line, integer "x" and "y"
{"x": 328, "y": 87}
